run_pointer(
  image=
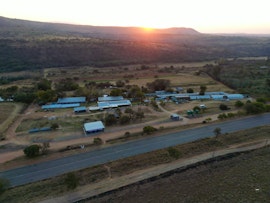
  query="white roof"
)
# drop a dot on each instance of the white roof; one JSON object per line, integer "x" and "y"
{"x": 92, "y": 126}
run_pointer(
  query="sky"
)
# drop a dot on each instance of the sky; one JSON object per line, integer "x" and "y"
{"x": 206, "y": 16}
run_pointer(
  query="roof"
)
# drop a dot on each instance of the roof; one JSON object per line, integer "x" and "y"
{"x": 109, "y": 98}
{"x": 60, "y": 106}
{"x": 93, "y": 126}
{"x": 198, "y": 97}
{"x": 235, "y": 96}
{"x": 68, "y": 100}
{"x": 80, "y": 108}
{"x": 94, "y": 108}
{"x": 114, "y": 104}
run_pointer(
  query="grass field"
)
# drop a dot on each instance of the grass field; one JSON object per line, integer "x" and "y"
{"x": 8, "y": 112}
{"x": 221, "y": 178}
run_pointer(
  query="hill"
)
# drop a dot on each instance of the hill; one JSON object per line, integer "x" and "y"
{"x": 36, "y": 45}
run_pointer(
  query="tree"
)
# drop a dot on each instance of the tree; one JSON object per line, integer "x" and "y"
{"x": 44, "y": 148}
{"x": 217, "y": 131}
{"x": 32, "y": 151}
{"x": 54, "y": 126}
{"x": 4, "y": 185}
{"x": 116, "y": 92}
{"x": 110, "y": 119}
{"x": 239, "y": 104}
{"x": 149, "y": 129}
{"x": 120, "y": 83}
{"x": 174, "y": 153}
{"x": 255, "y": 108}
{"x": 97, "y": 141}
{"x": 159, "y": 84}
{"x": 202, "y": 89}
{"x": 124, "y": 119}
{"x": 44, "y": 84}
{"x": 197, "y": 109}
{"x": 223, "y": 107}
{"x": 71, "y": 181}
{"x": 190, "y": 90}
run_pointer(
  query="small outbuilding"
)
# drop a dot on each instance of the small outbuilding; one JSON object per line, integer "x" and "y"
{"x": 79, "y": 109}
{"x": 93, "y": 127}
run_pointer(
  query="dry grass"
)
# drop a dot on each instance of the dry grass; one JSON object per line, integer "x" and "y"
{"x": 8, "y": 112}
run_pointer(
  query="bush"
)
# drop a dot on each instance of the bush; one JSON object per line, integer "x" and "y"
{"x": 255, "y": 108}
{"x": 217, "y": 131}
{"x": 124, "y": 119}
{"x": 71, "y": 181}
{"x": 239, "y": 104}
{"x": 149, "y": 129}
{"x": 32, "y": 151}
{"x": 174, "y": 153}
{"x": 4, "y": 185}
{"x": 223, "y": 107}
{"x": 54, "y": 126}
{"x": 97, "y": 141}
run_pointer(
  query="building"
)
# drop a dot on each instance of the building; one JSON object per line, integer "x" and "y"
{"x": 114, "y": 104}
{"x": 79, "y": 109}
{"x": 93, "y": 127}
{"x": 71, "y": 100}
{"x": 59, "y": 106}
{"x": 110, "y": 98}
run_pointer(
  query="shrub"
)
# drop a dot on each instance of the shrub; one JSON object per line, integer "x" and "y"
{"x": 124, "y": 119}
{"x": 149, "y": 129}
{"x": 54, "y": 126}
{"x": 223, "y": 107}
{"x": 4, "y": 185}
{"x": 174, "y": 153}
{"x": 71, "y": 181}
{"x": 255, "y": 108}
{"x": 97, "y": 141}
{"x": 32, "y": 151}
{"x": 217, "y": 131}
{"x": 239, "y": 104}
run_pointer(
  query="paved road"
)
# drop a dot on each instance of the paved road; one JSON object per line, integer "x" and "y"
{"x": 36, "y": 172}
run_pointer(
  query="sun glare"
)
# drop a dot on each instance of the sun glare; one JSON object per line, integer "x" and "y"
{"x": 147, "y": 29}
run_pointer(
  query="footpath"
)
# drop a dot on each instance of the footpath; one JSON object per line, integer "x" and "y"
{"x": 110, "y": 184}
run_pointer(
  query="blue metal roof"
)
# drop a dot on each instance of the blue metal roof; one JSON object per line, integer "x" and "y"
{"x": 93, "y": 126}
{"x": 198, "y": 97}
{"x": 68, "y": 100}
{"x": 60, "y": 106}
{"x": 110, "y": 98}
{"x": 80, "y": 108}
{"x": 114, "y": 104}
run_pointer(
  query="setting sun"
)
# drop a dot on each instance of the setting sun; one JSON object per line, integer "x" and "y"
{"x": 148, "y": 29}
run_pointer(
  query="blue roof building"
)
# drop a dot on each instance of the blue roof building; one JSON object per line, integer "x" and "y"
{"x": 79, "y": 109}
{"x": 93, "y": 127}
{"x": 110, "y": 98}
{"x": 114, "y": 104}
{"x": 70, "y": 100}
{"x": 59, "y": 106}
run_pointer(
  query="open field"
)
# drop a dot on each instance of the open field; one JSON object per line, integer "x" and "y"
{"x": 242, "y": 178}
{"x": 57, "y": 186}
{"x": 8, "y": 112}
